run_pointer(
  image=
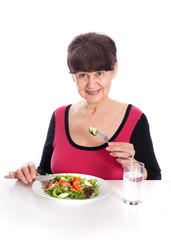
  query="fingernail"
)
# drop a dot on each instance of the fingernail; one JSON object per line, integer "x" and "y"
{"x": 11, "y": 174}
{"x": 31, "y": 164}
{"x": 29, "y": 179}
{"x": 24, "y": 180}
{"x": 107, "y": 148}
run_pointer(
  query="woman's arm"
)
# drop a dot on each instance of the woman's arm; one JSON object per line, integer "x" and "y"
{"x": 28, "y": 172}
{"x": 144, "y": 151}
{"x": 45, "y": 162}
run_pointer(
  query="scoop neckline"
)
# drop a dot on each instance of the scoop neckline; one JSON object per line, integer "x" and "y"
{"x": 75, "y": 145}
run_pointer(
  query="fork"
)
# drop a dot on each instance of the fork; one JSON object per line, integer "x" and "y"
{"x": 99, "y": 134}
{"x": 102, "y": 135}
{"x": 96, "y": 132}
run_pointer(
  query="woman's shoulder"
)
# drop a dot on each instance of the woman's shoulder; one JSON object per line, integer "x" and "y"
{"x": 127, "y": 107}
{"x": 62, "y": 108}
{"x": 131, "y": 112}
{"x": 135, "y": 109}
{"x": 138, "y": 115}
{"x": 60, "y": 111}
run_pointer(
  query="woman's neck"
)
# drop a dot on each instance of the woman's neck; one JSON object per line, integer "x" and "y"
{"x": 93, "y": 108}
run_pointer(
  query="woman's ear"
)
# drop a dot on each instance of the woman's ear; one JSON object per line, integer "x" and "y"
{"x": 73, "y": 78}
{"x": 115, "y": 70}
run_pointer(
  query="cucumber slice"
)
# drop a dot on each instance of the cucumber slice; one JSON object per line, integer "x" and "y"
{"x": 93, "y": 131}
{"x": 63, "y": 195}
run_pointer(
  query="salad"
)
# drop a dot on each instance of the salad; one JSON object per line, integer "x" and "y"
{"x": 69, "y": 186}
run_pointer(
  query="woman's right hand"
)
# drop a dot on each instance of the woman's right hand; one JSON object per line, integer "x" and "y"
{"x": 26, "y": 173}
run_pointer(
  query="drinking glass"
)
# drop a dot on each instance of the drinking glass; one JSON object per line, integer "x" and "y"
{"x": 132, "y": 182}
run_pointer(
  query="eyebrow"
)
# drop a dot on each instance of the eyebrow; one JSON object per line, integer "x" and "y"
{"x": 90, "y": 72}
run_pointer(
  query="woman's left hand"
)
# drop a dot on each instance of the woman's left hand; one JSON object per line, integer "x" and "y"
{"x": 122, "y": 151}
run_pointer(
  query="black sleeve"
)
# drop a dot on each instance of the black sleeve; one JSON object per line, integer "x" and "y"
{"x": 144, "y": 151}
{"x": 45, "y": 162}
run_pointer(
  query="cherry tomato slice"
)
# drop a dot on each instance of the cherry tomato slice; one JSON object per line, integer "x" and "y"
{"x": 64, "y": 182}
{"x": 51, "y": 183}
{"x": 76, "y": 186}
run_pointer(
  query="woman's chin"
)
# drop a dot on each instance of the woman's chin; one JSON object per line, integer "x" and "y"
{"x": 94, "y": 99}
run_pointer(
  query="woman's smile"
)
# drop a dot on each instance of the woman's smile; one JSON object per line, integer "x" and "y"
{"x": 95, "y": 92}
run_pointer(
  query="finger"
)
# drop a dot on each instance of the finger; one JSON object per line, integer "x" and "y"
{"x": 122, "y": 161}
{"x": 124, "y": 155}
{"x": 12, "y": 174}
{"x": 21, "y": 176}
{"x": 120, "y": 146}
{"x": 26, "y": 172}
{"x": 33, "y": 171}
{"x": 124, "y": 150}
{"x": 117, "y": 148}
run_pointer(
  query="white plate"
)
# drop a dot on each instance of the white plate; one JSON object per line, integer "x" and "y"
{"x": 104, "y": 190}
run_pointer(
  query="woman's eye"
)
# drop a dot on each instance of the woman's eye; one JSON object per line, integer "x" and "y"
{"x": 99, "y": 74}
{"x": 82, "y": 75}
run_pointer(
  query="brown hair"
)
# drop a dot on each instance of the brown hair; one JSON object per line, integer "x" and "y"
{"x": 91, "y": 52}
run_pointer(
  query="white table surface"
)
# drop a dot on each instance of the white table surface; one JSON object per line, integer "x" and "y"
{"x": 26, "y": 215}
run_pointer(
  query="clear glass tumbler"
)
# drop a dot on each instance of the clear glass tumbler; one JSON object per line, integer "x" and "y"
{"x": 132, "y": 182}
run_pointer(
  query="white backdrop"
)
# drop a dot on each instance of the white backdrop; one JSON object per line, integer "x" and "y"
{"x": 35, "y": 80}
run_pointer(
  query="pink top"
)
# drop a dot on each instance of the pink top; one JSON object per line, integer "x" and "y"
{"x": 94, "y": 161}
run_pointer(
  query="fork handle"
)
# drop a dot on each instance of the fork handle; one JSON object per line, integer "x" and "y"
{"x": 8, "y": 177}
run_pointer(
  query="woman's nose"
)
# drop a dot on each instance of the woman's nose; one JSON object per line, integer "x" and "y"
{"x": 91, "y": 83}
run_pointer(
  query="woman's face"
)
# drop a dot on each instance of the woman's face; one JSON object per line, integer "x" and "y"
{"x": 94, "y": 86}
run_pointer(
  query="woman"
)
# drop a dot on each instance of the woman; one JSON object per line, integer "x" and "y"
{"x": 69, "y": 146}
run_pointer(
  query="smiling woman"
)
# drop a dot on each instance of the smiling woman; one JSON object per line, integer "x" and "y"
{"x": 69, "y": 147}
{"x": 94, "y": 84}
{"x": 93, "y": 63}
